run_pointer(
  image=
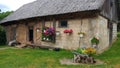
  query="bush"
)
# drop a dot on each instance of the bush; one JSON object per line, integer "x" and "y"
{"x": 2, "y": 30}
{"x": 89, "y": 51}
{"x": 79, "y": 50}
{"x": 2, "y": 36}
{"x": 94, "y": 41}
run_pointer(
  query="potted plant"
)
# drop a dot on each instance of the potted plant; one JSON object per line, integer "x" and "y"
{"x": 94, "y": 42}
{"x": 81, "y": 34}
{"x": 48, "y": 33}
{"x": 90, "y": 51}
{"x": 68, "y": 31}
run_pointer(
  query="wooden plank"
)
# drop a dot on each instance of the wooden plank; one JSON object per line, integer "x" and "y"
{"x": 43, "y": 23}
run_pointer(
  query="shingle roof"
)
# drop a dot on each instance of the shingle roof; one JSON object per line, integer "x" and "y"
{"x": 53, "y": 7}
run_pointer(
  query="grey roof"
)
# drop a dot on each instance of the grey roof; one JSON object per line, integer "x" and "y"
{"x": 41, "y": 8}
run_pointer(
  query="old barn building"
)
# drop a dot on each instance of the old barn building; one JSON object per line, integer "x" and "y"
{"x": 67, "y": 24}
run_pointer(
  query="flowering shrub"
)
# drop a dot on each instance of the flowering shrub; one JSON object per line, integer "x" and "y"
{"x": 88, "y": 51}
{"x": 48, "y": 33}
{"x": 68, "y": 31}
{"x": 81, "y": 33}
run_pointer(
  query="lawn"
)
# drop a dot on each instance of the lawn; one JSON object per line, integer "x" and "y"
{"x": 3, "y": 46}
{"x": 38, "y": 58}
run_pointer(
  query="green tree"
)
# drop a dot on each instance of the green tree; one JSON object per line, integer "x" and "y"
{"x": 4, "y": 14}
{"x": 2, "y": 36}
{"x": 2, "y": 30}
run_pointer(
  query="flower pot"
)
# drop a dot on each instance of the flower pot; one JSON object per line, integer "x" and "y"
{"x": 81, "y": 35}
{"x": 94, "y": 45}
{"x": 47, "y": 39}
{"x": 44, "y": 38}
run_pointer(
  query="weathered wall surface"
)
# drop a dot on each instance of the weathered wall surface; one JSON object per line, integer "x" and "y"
{"x": 103, "y": 33}
{"x": 37, "y": 33}
{"x": 8, "y": 32}
{"x": 21, "y": 33}
{"x": 92, "y": 27}
{"x": 114, "y": 31}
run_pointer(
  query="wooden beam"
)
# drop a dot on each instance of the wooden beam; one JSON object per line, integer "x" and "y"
{"x": 54, "y": 26}
{"x": 43, "y": 23}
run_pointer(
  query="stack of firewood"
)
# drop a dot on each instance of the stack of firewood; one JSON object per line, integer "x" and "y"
{"x": 81, "y": 58}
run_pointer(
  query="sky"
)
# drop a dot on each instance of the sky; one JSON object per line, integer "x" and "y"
{"x": 12, "y": 5}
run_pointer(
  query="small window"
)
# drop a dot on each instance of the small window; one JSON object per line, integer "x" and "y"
{"x": 63, "y": 24}
{"x": 111, "y": 4}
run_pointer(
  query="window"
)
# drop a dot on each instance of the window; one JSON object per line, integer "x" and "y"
{"x": 63, "y": 24}
{"x": 111, "y": 3}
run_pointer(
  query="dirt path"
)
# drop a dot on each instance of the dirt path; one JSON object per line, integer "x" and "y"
{"x": 7, "y": 48}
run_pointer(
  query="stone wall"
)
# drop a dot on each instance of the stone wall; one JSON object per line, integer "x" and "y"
{"x": 103, "y": 33}
{"x": 92, "y": 27}
{"x": 37, "y": 33}
{"x": 8, "y": 32}
{"x": 21, "y": 33}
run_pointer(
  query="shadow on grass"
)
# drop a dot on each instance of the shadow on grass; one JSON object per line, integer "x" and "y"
{"x": 2, "y": 46}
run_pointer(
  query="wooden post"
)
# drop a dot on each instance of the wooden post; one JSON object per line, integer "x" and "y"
{"x": 7, "y": 34}
{"x": 111, "y": 32}
{"x": 54, "y": 26}
{"x": 43, "y": 23}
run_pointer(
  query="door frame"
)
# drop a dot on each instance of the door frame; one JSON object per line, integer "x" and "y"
{"x": 31, "y": 28}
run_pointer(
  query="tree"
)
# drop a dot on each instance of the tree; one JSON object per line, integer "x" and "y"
{"x": 2, "y": 30}
{"x": 2, "y": 36}
{"x": 4, "y": 14}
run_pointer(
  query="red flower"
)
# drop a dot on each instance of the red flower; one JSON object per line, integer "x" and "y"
{"x": 68, "y": 31}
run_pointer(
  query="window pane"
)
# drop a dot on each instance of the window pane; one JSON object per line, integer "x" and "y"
{"x": 63, "y": 24}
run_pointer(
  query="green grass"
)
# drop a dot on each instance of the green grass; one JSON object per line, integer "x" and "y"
{"x": 2, "y": 46}
{"x": 112, "y": 55}
{"x": 31, "y": 58}
{"x": 37, "y": 58}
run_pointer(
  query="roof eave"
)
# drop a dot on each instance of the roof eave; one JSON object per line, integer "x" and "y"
{"x": 3, "y": 23}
